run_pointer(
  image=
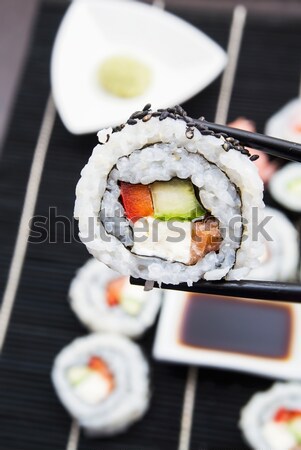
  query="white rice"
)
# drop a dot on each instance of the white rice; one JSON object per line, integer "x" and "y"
{"x": 170, "y": 153}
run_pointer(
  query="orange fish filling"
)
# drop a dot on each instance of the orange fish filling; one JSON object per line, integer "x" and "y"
{"x": 285, "y": 415}
{"x": 113, "y": 291}
{"x": 99, "y": 366}
{"x": 206, "y": 238}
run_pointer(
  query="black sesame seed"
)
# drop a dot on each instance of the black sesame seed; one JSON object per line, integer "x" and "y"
{"x": 163, "y": 115}
{"x": 160, "y": 110}
{"x": 179, "y": 110}
{"x": 139, "y": 115}
{"x": 156, "y": 114}
{"x": 244, "y": 152}
{"x": 131, "y": 122}
{"x": 226, "y": 147}
{"x": 118, "y": 128}
{"x": 146, "y": 118}
{"x": 206, "y": 132}
{"x": 134, "y": 115}
{"x": 147, "y": 107}
{"x": 142, "y": 114}
{"x": 254, "y": 157}
{"x": 172, "y": 116}
{"x": 191, "y": 124}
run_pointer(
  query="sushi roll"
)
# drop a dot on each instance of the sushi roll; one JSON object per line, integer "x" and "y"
{"x": 286, "y": 123}
{"x": 280, "y": 259}
{"x": 105, "y": 301}
{"x": 164, "y": 199}
{"x": 103, "y": 381}
{"x": 272, "y": 419}
{"x": 285, "y": 186}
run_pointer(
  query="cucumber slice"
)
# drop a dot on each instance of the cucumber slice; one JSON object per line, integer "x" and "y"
{"x": 175, "y": 199}
{"x": 295, "y": 428}
{"x": 295, "y": 186}
{"x": 76, "y": 375}
{"x": 131, "y": 306}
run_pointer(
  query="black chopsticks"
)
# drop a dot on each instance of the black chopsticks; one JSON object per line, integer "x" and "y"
{"x": 273, "y": 146}
{"x": 259, "y": 290}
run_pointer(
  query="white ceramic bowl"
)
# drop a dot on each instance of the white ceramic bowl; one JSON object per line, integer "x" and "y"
{"x": 183, "y": 60}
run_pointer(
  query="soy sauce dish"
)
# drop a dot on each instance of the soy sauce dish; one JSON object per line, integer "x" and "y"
{"x": 245, "y": 335}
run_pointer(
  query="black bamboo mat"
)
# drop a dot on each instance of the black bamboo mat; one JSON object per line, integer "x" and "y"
{"x": 30, "y": 415}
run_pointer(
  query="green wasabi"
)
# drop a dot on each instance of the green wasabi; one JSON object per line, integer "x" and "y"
{"x": 124, "y": 76}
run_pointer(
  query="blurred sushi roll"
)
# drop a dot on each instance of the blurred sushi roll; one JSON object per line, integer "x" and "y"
{"x": 272, "y": 419}
{"x": 105, "y": 301}
{"x": 281, "y": 256}
{"x": 285, "y": 186}
{"x": 286, "y": 123}
{"x": 164, "y": 199}
{"x": 103, "y": 381}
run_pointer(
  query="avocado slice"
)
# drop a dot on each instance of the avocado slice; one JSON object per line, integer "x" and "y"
{"x": 175, "y": 199}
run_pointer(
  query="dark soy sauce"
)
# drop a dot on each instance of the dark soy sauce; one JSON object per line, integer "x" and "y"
{"x": 237, "y": 326}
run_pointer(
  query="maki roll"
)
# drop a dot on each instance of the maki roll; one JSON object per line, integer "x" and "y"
{"x": 103, "y": 381}
{"x": 165, "y": 199}
{"x": 272, "y": 419}
{"x": 280, "y": 259}
{"x": 105, "y": 301}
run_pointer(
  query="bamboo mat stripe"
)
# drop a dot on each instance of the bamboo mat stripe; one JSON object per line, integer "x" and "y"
{"x": 32, "y": 190}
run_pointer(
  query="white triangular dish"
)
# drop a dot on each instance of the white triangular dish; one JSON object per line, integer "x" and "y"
{"x": 183, "y": 60}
